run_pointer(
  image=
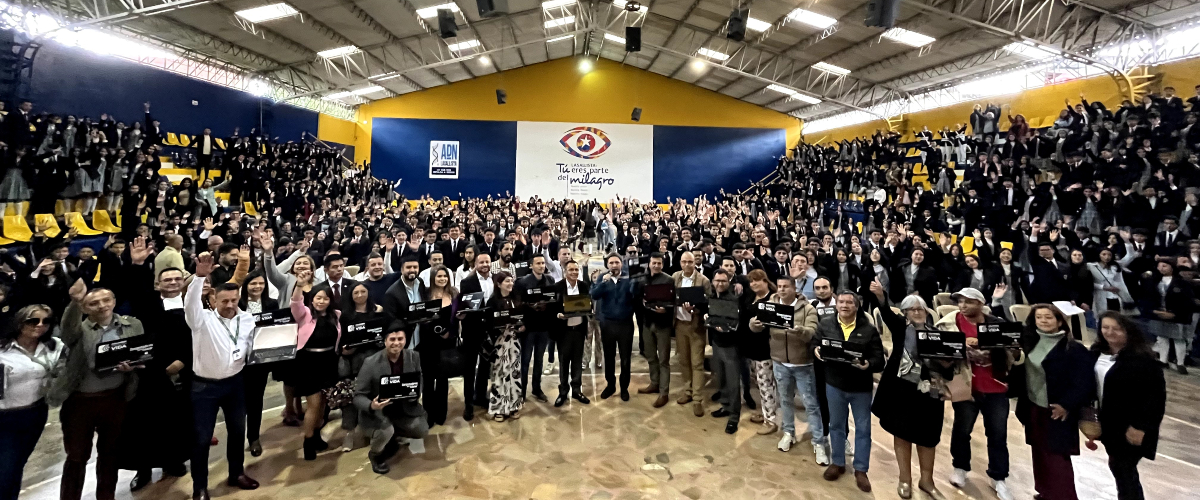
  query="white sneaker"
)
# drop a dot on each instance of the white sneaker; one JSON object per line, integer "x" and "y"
{"x": 849, "y": 447}
{"x": 958, "y": 478}
{"x": 1002, "y": 492}
{"x": 822, "y": 457}
{"x": 785, "y": 443}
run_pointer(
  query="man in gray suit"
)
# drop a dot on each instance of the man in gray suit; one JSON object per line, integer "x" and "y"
{"x": 383, "y": 419}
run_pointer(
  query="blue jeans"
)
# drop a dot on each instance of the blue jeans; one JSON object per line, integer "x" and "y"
{"x": 802, "y": 379}
{"x": 841, "y": 405}
{"x": 994, "y": 408}
{"x": 228, "y": 395}
{"x": 19, "y": 433}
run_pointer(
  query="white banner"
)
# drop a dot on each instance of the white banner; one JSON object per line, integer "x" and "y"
{"x": 582, "y": 161}
{"x": 443, "y": 159}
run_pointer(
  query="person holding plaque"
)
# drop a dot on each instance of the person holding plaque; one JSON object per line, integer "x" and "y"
{"x": 727, "y": 363}
{"x": 570, "y": 341}
{"x": 755, "y": 347}
{"x": 93, "y": 402}
{"x": 656, "y": 338}
{"x": 909, "y": 401}
{"x": 792, "y": 365}
{"x": 1053, "y": 386}
{"x": 443, "y": 334}
{"x": 255, "y": 300}
{"x": 33, "y": 357}
{"x": 848, "y": 385}
{"x": 538, "y": 321}
{"x": 384, "y": 417}
{"x": 475, "y": 329}
{"x": 363, "y": 312}
{"x": 505, "y": 400}
{"x": 690, "y": 335}
{"x": 316, "y": 363}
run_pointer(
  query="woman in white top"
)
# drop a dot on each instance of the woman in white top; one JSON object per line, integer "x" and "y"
{"x": 1109, "y": 284}
{"x": 30, "y": 358}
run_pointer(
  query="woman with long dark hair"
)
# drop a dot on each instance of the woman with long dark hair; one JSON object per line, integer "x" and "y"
{"x": 445, "y": 335}
{"x": 352, "y": 358}
{"x": 1052, "y": 387}
{"x": 315, "y": 366}
{"x": 31, "y": 358}
{"x": 255, "y": 300}
{"x": 1132, "y": 395}
{"x": 504, "y": 399}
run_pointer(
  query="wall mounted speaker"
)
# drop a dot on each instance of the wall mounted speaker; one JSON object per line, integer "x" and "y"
{"x": 633, "y": 39}
{"x": 637, "y": 115}
{"x": 501, "y": 96}
{"x": 446, "y": 24}
{"x": 736, "y": 29}
{"x": 492, "y": 8}
{"x": 882, "y": 13}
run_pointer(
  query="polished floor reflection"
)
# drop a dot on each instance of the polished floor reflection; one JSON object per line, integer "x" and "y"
{"x": 619, "y": 450}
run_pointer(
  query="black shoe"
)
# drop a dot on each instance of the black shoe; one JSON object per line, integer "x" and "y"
{"x": 624, "y": 394}
{"x": 243, "y": 482}
{"x": 256, "y": 448}
{"x": 731, "y": 427}
{"x": 719, "y": 413}
{"x": 319, "y": 444}
{"x": 582, "y": 399}
{"x": 561, "y": 400}
{"x": 715, "y": 397}
{"x": 608, "y": 392}
{"x": 540, "y": 396}
{"x": 469, "y": 413}
{"x": 1181, "y": 369}
{"x": 200, "y": 495}
{"x": 141, "y": 480}
{"x": 179, "y": 470}
{"x": 310, "y": 449}
{"x": 378, "y": 465}
{"x": 750, "y": 404}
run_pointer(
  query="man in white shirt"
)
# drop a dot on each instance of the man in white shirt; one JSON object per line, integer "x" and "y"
{"x": 570, "y": 343}
{"x": 220, "y": 343}
{"x": 690, "y": 335}
{"x": 435, "y": 259}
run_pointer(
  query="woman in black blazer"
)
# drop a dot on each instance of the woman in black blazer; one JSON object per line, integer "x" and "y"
{"x": 255, "y": 300}
{"x": 1132, "y": 395}
{"x": 1052, "y": 388}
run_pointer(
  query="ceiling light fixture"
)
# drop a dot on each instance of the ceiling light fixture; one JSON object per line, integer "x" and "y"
{"x": 614, "y": 38}
{"x": 562, "y": 21}
{"x": 753, "y": 24}
{"x": 712, "y": 54}
{"x": 266, "y": 12}
{"x": 560, "y": 38}
{"x": 794, "y": 94}
{"x": 554, "y": 4}
{"x": 339, "y": 52}
{"x": 832, "y": 69}
{"x": 455, "y": 47}
{"x": 811, "y": 18}
{"x": 431, "y": 12}
{"x": 910, "y": 38}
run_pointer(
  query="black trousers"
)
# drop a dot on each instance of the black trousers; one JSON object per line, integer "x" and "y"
{"x": 570, "y": 355}
{"x": 476, "y": 373}
{"x": 229, "y": 396}
{"x": 203, "y": 163}
{"x": 1123, "y": 465}
{"x": 616, "y": 335}
{"x": 435, "y": 392}
{"x": 254, "y": 380}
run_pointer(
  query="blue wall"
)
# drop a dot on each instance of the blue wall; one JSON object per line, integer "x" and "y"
{"x": 691, "y": 161}
{"x": 487, "y": 155}
{"x": 74, "y": 81}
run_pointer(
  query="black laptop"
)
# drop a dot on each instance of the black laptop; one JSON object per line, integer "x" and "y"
{"x": 363, "y": 333}
{"x": 1006, "y": 335}
{"x": 938, "y": 344}
{"x": 424, "y": 312}
{"x": 401, "y": 387}
{"x": 577, "y": 305}
{"x": 693, "y": 295}
{"x": 136, "y": 350}
{"x": 502, "y": 319}
{"x": 662, "y": 295}
{"x": 539, "y": 295}
{"x": 776, "y": 315}
{"x": 842, "y": 351}
{"x": 275, "y": 337}
{"x": 722, "y": 314}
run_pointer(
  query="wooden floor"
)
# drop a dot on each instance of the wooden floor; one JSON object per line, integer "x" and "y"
{"x": 621, "y": 450}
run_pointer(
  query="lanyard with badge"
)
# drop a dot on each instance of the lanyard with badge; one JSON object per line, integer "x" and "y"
{"x": 233, "y": 337}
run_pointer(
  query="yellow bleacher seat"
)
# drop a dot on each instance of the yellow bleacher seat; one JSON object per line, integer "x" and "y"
{"x": 184, "y": 140}
{"x": 249, "y": 209}
{"x": 75, "y": 220}
{"x": 15, "y": 228}
{"x": 103, "y": 222}
{"x": 17, "y": 208}
{"x": 220, "y": 144}
{"x": 5, "y": 241}
{"x": 61, "y": 207}
{"x": 49, "y": 222}
{"x": 172, "y": 139}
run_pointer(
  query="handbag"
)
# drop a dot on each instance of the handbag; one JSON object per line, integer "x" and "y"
{"x": 1089, "y": 422}
{"x": 959, "y": 386}
{"x": 340, "y": 395}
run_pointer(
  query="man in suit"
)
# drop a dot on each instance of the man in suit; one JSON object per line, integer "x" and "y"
{"x": 1169, "y": 242}
{"x": 404, "y": 292}
{"x": 744, "y": 259}
{"x": 538, "y": 322}
{"x": 474, "y": 332}
{"x": 778, "y": 268}
{"x": 204, "y": 146}
{"x": 489, "y": 244}
{"x": 18, "y": 127}
{"x": 384, "y": 419}
{"x": 1047, "y": 276}
{"x": 422, "y": 247}
{"x": 540, "y": 242}
{"x": 570, "y": 341}
{"x": 453, "y": 248}
{"x": 340, "y": 286}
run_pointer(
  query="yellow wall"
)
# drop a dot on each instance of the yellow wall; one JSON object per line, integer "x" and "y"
{"x": 335, "y": 129}
{"x": 1038, "y": 105}
{"x": 558, "y": 91}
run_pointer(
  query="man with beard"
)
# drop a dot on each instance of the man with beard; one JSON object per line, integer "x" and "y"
{"x": 376, "y": 279}
{"x": 407, "y": 290}
{"x": 656, "y": 338}
{"x": 570, "y": 342}
{"x": 538, "y": 322}
{"x": 505, "y": 262}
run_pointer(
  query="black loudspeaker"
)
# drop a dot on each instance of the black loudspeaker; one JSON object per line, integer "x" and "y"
{"x": 633, "y": 39}
{"x": 492, "y": 8}
{"x": 736, "y": 29}
{"x": 882, "y": 13}
{"x": 501, "y": 96}
{"x": 446, "y": 25}
{"x": 637, "y": 115}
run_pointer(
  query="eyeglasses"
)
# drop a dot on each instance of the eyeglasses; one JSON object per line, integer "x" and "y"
{"x": 36, "y": 321}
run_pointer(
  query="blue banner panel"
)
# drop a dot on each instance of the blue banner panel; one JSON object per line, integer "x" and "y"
{"x": 487, "y": 155}
{"x": 691, "y": 161}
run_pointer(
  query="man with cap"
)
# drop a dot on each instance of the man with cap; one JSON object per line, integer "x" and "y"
{"x": 989, "y": 389}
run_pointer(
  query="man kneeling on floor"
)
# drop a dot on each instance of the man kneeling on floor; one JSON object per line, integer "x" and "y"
{"x": 384, "y": 418}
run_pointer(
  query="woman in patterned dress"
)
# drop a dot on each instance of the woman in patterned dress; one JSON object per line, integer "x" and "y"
{"x": 504, "y": 399}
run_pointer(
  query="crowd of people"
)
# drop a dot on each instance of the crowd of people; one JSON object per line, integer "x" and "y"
{"x": 1094, "y": 213}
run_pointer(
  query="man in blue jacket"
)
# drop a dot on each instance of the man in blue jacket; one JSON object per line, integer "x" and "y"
{"x": 615, "y": 294}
